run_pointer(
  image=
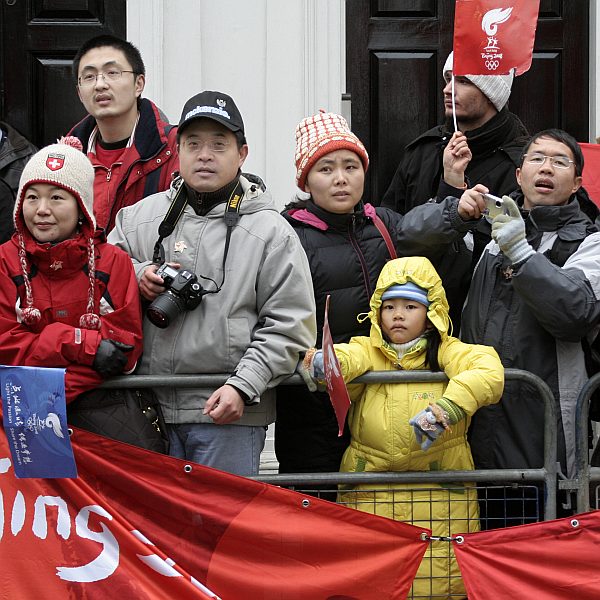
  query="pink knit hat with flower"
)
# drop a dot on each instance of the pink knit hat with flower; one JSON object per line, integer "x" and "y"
{"x": 319, "y": 135}
{"x": 64, "y": 165}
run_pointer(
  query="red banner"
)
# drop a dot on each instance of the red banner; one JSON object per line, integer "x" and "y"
{"x": 591, "y": 171}
{"x": 141, "y": 525}
{"x": 336, "y": 387}
{"x": 552, "y": 560}
{"x": 492, "y": 37}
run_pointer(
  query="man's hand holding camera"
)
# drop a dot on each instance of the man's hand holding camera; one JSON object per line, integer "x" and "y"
{"x": 151, "y": 285}
{"x": 472, "y": 204}
{"x": 225, "y": 405}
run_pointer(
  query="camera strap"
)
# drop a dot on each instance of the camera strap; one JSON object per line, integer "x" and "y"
{"x": 165, "y": 229}
{"x": 231, "y": 218}
{"x": 178, "y": 204}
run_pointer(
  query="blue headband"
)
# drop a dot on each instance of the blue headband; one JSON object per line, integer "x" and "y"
{"x": 408, "y": 291}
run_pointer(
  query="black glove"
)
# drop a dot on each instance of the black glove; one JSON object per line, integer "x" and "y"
{"x": 110, "y": 357}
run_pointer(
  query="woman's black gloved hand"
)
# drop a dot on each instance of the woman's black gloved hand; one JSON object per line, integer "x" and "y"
{"x": 110, "y": 357}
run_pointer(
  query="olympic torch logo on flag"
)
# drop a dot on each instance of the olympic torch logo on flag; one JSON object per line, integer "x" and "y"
{"x": 493, "y": 37}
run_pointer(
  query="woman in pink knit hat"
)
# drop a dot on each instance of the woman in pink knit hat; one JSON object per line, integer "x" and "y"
{"x": 345, "y": 241}
{"x": 67, "y": 298}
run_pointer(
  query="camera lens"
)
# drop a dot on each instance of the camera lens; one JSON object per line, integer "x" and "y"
{"x": 164, "y": 309}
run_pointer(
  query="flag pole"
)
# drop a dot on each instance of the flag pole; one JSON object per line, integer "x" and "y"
{"x": 454, "y": 105}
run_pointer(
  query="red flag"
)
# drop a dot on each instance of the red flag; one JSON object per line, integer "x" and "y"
{"x": 551, "y": 560}
{"x": 591, "y": 171}
{"x": 141, "y": 525}
{"x": 491, "y": 37}
{"x": 336, "y": 387}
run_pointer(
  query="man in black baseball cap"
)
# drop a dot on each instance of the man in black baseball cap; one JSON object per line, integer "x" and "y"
{"x": 257, "y": 311}
{"x": 212, "y": 148}
{"x": 212, "y": 105}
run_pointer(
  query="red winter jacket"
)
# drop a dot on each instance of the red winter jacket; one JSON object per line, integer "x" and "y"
{"x": 148, "y": 164}
{"x": 60, "y": 287}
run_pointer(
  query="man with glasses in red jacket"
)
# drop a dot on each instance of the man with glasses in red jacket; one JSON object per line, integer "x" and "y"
{"x": 126, "y": 137}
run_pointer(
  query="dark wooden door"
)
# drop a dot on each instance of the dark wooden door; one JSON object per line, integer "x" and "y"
{"x": 395, "y": 51}
{"x": 39, "y": 39}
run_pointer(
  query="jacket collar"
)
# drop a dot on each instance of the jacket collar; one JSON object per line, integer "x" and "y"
{"x": 151, "y": 130}
{"x": 65, "y": 257}
{"x": 567, "y": 220}
{"x": 491, "y": 135}
{"x": 13, "y": 146}
{"x": 322, "y": 219}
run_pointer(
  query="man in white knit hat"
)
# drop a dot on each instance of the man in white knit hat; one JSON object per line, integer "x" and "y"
{"x": 486, "y": 149}
{"x": 441, "y": 162}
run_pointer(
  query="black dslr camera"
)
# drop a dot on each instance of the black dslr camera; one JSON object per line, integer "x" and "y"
{"x": 183, "y": 292}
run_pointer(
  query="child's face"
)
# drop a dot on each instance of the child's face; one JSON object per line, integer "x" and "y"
{"x": 402, "y": 320}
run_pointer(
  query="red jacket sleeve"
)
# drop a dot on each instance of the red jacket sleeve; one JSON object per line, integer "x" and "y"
{"x": 122, "y": 321}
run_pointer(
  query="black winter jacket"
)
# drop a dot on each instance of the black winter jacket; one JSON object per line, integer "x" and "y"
{"x": 535, "y": 316}
{"x": 15, "y": 152}
{"x": 496, "y": 147}
{"x": 346, "y": 254}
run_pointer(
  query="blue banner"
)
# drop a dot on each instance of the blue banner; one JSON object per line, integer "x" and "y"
{"x": 35, "y": 421}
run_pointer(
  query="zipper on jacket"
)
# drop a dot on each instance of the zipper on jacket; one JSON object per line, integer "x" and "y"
{"x": 361, "y": 258}
{"x": 125, "y": 178}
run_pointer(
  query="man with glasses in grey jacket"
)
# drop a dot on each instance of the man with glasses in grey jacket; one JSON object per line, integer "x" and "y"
{"x": 233, "y": 293}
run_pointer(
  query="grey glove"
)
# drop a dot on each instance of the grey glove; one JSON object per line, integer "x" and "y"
{"x": 432, "y": 421}
{"x": 110, "y": 357}
{"x": 426, "y": 427}
{"x": 508, "y": 231}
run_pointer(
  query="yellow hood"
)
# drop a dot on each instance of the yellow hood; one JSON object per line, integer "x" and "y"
{"x": 418, "y": 270}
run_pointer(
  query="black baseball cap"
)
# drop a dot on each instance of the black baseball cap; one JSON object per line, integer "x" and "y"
{"x": 212, "y": 105}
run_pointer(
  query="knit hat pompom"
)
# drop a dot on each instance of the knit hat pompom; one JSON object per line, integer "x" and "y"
{"x": 494, "y": 87}
{"x": 71, "y": 140}
{"x": 30, "y": 316}
{"x": 321, "y": 134}
{"x": 90, "y": 321}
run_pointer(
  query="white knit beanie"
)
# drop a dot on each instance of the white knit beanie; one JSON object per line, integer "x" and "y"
{"x": 65, "y": 165}
{"x": 494, "y": 87}
{"x": 321, "y": 134}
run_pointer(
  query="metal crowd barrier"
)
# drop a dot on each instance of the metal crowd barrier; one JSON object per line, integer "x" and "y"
{"x": 586, "y": 475}
{"x": 546, "y": 475}
{"x": 414, "y": 491}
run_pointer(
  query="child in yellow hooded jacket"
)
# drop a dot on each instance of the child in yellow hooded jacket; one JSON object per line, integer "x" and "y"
{"x": 420, "y": 426}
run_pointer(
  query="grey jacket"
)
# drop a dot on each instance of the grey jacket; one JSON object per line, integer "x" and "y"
{"x": 254, "y": 328}
{"x": 535, "y": 316}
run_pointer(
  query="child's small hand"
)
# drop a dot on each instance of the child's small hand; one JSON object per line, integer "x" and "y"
{"x": 311, "y": 368}
{"x": 426, "y": 426}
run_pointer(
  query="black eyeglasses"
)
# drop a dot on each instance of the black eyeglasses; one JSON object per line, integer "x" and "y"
{"x": 111, "y": 75}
